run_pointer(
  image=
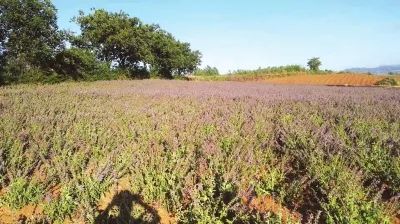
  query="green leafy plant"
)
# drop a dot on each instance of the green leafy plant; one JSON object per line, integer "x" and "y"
{"x": 21, "y": 193}
{"x": 62, "y": 207}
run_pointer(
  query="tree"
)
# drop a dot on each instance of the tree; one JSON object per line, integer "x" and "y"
{"x": 80, "y": 64}
{"x": 3, "y": 38}
{"x": 314, "y": 64}
{"x": 115, "y": 37}
{"x": 171, "y": 57}
{"x": 129, "y": 44}
{"x": 29, "y": 35}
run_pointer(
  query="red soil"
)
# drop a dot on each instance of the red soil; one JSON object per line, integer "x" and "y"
{"x": 333, "y": 79}
{"x": 268, "y": 204}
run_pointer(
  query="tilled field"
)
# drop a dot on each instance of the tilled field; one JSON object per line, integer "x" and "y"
{"x": 333, "y": 79}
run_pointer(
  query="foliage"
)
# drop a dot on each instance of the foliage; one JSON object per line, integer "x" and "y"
{"x": 115, "y": 37}
{"x": 32, "y": 75}
{"x": 207, "y": 71}
{"x": 32, "y": 48}
{"x": 83, "y": 192}
{"x": 314, "y": 64}
{"x": 81, "y": 64}
{"x": 257, "y": 74}
{"x": 63, "y": 207}
{"x": 387, "y": 82}
{"x": 29, "y": 35}
{"x": 347, "y": 201}
{"x": 172, "y": 57}
{"x": 126, "y": 41}
{"x": 20, "y": 193}
{"x": 271, "y": 70}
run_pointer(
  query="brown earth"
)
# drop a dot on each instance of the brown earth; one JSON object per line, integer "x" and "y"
{"x": 120, "y": 195}
{"x": 9, "y": 216}
{"x": 329, "y": 79}
{"x": 268, "y": 204}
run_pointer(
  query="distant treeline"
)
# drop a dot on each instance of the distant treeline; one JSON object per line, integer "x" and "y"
{"x": 268, "y": 70}
{"x": 212, "y": 71}
{"x": 286, "y": 69}
{"x": 109, "y": 46}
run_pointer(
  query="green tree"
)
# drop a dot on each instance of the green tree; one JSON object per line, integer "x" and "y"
{"x": 115, "y": 37}
{"x": 2, "y": 41}
{"x": 29, "y": 35}
{"x": 171, "y": 57}
{"x": 314, "y": 64}
{"x": 80, "y": 64}
{"x": 129, "y": 44}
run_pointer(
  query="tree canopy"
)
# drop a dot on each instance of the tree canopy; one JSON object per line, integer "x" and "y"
{"x": 114, "y": 37}
{"x": 130, "y": 44}
{"x": 29, "y": 35}
{"x": 171, "y": 57}
{"x": 314, "y": 64}
{"x": 32, "y": 48}
{"x": 80, "y": 64}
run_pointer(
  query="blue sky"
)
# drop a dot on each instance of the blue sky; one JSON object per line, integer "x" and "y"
{"x": 239, "y": 34}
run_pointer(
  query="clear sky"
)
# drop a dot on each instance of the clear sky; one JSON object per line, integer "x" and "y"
{"x": 246, "y": 34}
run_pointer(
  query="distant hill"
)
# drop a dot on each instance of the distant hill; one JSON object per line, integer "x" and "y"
{"x": 378, "y": 70}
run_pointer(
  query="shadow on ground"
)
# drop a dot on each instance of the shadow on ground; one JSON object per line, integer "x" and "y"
{"x": 126, "y": 208}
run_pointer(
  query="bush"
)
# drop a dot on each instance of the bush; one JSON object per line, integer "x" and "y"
{"x": 81, "y": 64}
{"x": 16, "y": 72}
{"x": 387, "y": 82}
{"x": 40, "y": 76}
{"x": 70, "y": 64}
{"x": 207, "y": 71}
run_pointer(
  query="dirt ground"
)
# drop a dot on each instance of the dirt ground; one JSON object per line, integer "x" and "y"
{"x": 335, "y": 79}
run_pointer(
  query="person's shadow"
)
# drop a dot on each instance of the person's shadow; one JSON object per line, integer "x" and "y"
{"x": 120, "y": 211}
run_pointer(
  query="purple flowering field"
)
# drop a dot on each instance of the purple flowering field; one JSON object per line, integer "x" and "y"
{"x": 159, "y": 151}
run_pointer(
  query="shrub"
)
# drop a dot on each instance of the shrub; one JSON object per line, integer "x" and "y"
{"x": 81, "y": 64}
{"x": 17, "y": 71}
{"x": 207, "y": 71}
{"x": 387, "y": 82}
